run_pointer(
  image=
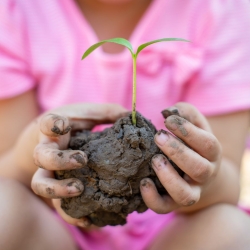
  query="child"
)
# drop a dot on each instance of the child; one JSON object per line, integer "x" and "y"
{"x": 44, "y": 85}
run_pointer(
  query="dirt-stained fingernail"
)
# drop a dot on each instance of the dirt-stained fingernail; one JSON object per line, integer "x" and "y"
{"x": 170, "y": 111}
{"x": 66, "y": 130}
{"x": 145, "y": 184}
{"x": 58, "y": 127}
{"x": 74, "y": 188}
{"x": 159, "y": 161}
{"x": 161, "y": 137}
{"x": 79, "y": 158}
{"x": 190, "y": 203}
{"x": 166, "y": 113}
{"x": 174, "y": 111}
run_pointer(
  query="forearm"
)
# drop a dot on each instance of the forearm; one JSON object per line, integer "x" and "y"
{"x": 224, "y": 188}
{"x": 17, "y": 163}
{"x": 15, "y": 114}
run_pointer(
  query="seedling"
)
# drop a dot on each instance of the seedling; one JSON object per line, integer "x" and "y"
{"x": 128, "y": 45}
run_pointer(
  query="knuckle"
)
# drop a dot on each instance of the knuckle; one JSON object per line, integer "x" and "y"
{"x": 37, "y": 188}
{"x": 169, "y": 180}
{"x": 210, "y": 144}
{"x": 51, "y": 154}
{"x": 202, "y": 172}
{"x": 187, "y": 199}
{"x": 36, "y": 154}
{"x": 55, "y": 159}
{"x": 175, "y": 149}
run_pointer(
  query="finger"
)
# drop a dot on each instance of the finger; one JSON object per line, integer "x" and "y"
{"x": 87, "y": 115}
{"x": 44, "y": 184}
{"x": 79, "y": 117}
{"x": 153, "y": 200}
{"x": 83, "y": 222}
{"x": 183, "y": 193}
{"x": 190, "y": 113}
{"x": 98, "y": 112}
{"x": 201, "y": 141}
{"x": 48, "y": 156}
{"x": 54, "y": 125}
{"x": 190, "y": 162}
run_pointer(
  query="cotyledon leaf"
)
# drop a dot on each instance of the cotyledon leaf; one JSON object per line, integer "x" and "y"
{"x": 142, "y": 46}
{"x": 120, "y": 41}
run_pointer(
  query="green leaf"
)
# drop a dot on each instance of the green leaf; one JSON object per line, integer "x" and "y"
{"x": 120, "y": 41}
{"x": 142, "y": 46}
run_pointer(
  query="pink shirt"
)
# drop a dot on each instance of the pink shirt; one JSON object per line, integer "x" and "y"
{"x": 41, "y": 44}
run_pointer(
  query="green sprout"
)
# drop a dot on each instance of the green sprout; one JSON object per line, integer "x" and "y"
{"x": 127, "y": 44}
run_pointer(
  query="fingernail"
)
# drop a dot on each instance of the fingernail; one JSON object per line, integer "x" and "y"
{"x": 161, "y": 137}
{"x": 145, "y": 184}
{"x": 170, "y": 111}
{"x": 166, "y": 113}
{"x": 79, "y": 158}
{"x": 190, "y": 203}
{"x": 66, "y": 130}
{"x": 74, "y": 188}
{"x": 174, "y": 111}
{"x": 159, "y": 161}
{"x": 58, "y": 127}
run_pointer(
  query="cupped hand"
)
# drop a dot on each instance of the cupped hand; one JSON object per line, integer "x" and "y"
{"x": 194, "y": 149}
{"x": 51, "y": 153}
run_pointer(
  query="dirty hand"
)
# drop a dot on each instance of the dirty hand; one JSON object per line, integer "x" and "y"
{"x": 198, "y": 157}
{"x": 51, "y": 153}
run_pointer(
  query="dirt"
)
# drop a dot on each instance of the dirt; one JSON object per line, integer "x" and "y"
{"x": 118, "y": 159}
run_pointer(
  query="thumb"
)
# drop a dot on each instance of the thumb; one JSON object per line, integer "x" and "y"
{"x": 87, "y": 115}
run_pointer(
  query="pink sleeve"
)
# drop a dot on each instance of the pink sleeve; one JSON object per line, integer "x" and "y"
{"x": 223, "y": 83}
{"x": 15, "y": 77}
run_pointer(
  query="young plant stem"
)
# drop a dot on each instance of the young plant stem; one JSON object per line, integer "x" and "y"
{"x": 134, "y": 91}
{"x": 128, "y": 45}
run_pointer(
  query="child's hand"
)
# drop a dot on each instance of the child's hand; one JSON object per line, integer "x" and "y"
{"x": 51, "y": 153}
{"x": 199, "y": 159}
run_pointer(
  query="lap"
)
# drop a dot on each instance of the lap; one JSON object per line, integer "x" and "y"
{"x": 217, "y": 227}
{"x": 28, "y": 223}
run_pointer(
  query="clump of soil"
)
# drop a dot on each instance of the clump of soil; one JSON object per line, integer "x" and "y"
{"x": 118, "y": 159}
